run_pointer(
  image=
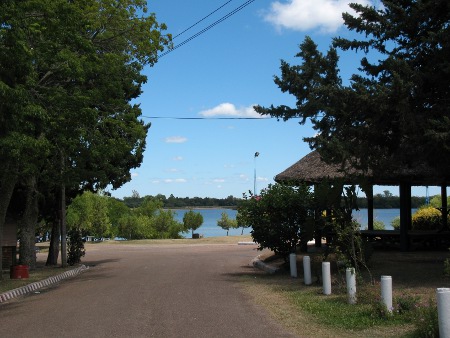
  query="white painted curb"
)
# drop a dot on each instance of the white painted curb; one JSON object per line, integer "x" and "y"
{"x": 258, "y": 263}
{"x": 43, "y": 283}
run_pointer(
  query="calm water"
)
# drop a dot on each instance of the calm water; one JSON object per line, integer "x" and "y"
{"x": 211, "y": 216}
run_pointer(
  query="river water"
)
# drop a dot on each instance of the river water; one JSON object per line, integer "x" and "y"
{"x": 210, "y": 228}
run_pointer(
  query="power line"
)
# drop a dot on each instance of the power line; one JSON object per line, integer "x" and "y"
{"x": 205, "y": 118}
{"x": 207, "y": 28}
{"x": 195, "y": 24}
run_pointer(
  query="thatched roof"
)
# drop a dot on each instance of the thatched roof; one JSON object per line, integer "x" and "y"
{"x": 312, "y": 169}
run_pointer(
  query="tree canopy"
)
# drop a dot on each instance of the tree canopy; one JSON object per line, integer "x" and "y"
{"x": 395, "y": 110}
{"x": 69, "y": 73}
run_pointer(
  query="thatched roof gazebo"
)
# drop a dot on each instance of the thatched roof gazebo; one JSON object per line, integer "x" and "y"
{"x": 311, "y": 169}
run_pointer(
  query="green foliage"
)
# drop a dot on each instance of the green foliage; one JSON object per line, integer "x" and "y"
{"x": 75, "y": 247}
{"x": 395, "y": 223}
{"x": 89, "y": 213}
{"x": 226, "y": 223}
{"x": 427, "y": 218}
{"x": 379, "y": 225}
{"x": 349, "y": 246}
{"x": 192, "y": 220}
{"x": 426, "y": 321}
{"x": 447, "y": 267}
{"x": 394, "y": 111}
{"x": 281, "y": 217}
{"x": 436, "y": 201}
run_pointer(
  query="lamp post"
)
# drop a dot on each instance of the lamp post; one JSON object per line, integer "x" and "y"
{"x": 254, "y": 174}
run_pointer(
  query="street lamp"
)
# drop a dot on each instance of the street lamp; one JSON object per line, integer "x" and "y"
{"x": 254, "y": 176}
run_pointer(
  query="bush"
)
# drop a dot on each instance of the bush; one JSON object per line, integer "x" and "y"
{"x": 379, "y": 225}
{"x": 427, "y": 218}
{"x": 75, "y": 247}
{"x": 281, "y": 218}
{"x": 395, "y": 223}
{"x": 426, "y": 322}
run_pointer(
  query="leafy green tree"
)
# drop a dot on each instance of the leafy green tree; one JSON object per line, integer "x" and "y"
{"x": 226, "y": 223}
{"x": 192, "y": 221}
{"x": 89, "y": 213}
{"x": 69, "y": 71}
{"x": 281, "y": 217}
{"x": 395, "y": 110}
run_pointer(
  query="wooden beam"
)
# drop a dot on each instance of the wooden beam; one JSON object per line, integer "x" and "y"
{"x": 405, "y": 214}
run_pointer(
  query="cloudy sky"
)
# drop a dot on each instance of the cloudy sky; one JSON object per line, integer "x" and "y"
{"x": 199, "y": 97}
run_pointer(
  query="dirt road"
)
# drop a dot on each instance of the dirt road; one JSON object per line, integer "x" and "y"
{"x": 147, "y": 291}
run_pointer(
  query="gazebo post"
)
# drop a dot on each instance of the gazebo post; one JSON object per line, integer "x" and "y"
{"x": 369, "y": 195}
{"x": 444, "y": 207}
{"x": 405, "y": 214}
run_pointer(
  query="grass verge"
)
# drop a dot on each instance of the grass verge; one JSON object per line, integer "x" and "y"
{"x": 305, "y": 311}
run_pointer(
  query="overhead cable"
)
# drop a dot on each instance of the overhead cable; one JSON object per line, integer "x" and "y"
{"x": 205, "y": 118}
{"x": 207, "y": 28}
{"x": 195, "y": 24}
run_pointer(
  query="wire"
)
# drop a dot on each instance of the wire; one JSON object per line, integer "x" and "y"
{"x": 207, "y": 28}
{"x": 205, "y": 118}
{"x": 195, "y": 24}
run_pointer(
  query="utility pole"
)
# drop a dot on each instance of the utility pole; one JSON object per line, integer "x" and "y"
{"x": 254, "y": 174}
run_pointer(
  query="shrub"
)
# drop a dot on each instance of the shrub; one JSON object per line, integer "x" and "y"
{"x": 395, "y": 223}
{"x": 427, "y": 218}
{"x": 379, "y": 225}
{"x": 75, "y": 247}
{"x": 426, "y": 321}
{"x": 281, "y": 217}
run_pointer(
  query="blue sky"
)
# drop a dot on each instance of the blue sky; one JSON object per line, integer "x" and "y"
{"x": 223, "y": 73}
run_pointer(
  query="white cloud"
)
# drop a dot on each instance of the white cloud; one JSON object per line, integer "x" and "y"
{"x": 244, "y": 177}
{"x": 176, "y": 180}
{"x": 262, "y": 179}
{"x": 230, "y": 110}
{"x": 219, "y": 180}
{"x": 175, "y": 139}
{"x": 178, "y": 158}
{"x": 172, "y": 170}
{"x": 304, "y": 15}
{"x": 134, "y": 174}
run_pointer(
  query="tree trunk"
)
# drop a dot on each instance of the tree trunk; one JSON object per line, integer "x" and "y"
{"x": 7, "y": 184}
{"x": 63, "y": 227}
{"x": 53, "y": 251}
{"x": 27, "y": 225}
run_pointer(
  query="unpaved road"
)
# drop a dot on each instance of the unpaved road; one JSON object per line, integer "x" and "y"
{"x": 147, "y": 291}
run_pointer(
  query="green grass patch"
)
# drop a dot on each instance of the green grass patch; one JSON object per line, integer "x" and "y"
{"x": 41, "y": 273}
{"x": 334, "y": 310}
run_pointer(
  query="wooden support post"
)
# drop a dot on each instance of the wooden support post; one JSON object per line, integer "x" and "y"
{"x": 405, "y": 214}
{"x": 444, "y": 207}
{"x": 369, "y": 195}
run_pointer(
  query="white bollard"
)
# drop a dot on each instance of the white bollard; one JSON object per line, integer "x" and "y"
{"x": 350, "y": 277}
{"x": 293, "y": 264}
{"x": 307, "y": 270}
{"x": 326, "y": 276}
{"x": 386, "y": 292}
{"x": 443, "y": 305}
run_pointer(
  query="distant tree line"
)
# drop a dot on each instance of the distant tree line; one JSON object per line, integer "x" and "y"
{"x": 386, "y": 200}
{"x": 389, "y": 201}
{"x": 183, "y": 202}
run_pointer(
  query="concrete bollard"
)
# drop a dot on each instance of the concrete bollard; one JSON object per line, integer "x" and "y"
{"x": 443, "y": 305}
{"x": 307, "y": 270}
{"x": 350, "y": 276}
{"x": 386, "y": 292}
{"x": 293, "y": 264}
{"x": 326, "y": 277}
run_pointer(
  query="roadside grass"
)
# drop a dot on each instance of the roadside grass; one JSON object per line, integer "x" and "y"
{"x": 205, "y": 240}
{"x": 40, "y": 273}
{"x": 305, "y": 311}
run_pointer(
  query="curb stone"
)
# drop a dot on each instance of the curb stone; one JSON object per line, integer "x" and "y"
{"x": 40, "y": 284}
{"x": 258, "y": 263}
